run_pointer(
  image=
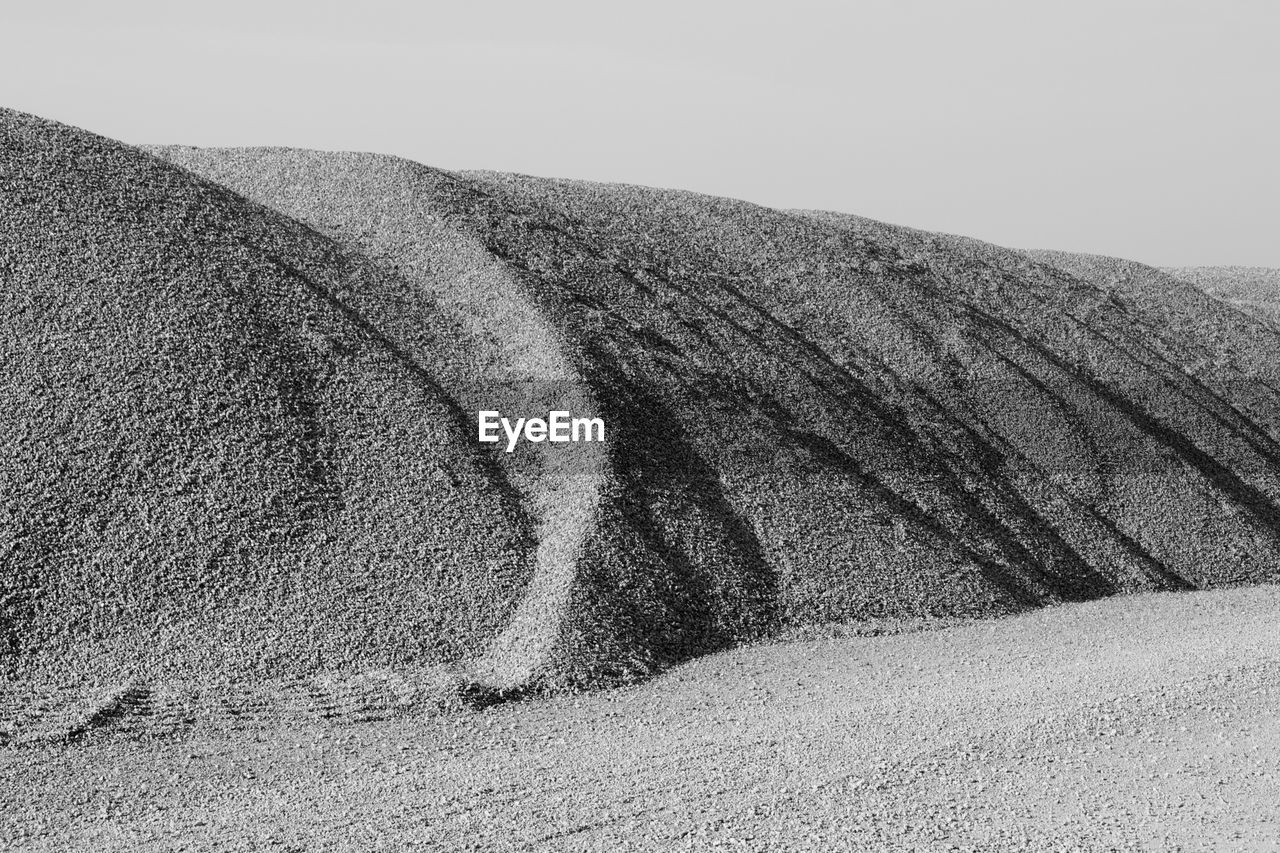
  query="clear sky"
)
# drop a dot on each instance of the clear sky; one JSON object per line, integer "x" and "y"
{"x": 1139, "y": 128}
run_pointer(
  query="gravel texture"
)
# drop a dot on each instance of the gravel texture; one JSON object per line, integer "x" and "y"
{"x": 240, "y": 479}
{"x": 1255, "y": 290}
{"x": 216, "y": 466}
{"x": 1136, "y": 723}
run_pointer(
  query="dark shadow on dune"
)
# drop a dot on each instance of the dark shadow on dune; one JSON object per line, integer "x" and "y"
{"x": 1242, "y": 426}
{"x": 1088, "y": 584}
{"x": 484, "y": 461}
{"x": 1004, "y": 528}
{"x": 713, "y": 586}
{"x": 1157, "y": 571}
{"x": 1264, "y": 513}
{"x": 1081, "y": 583}
{"x": 835, "y": 381}
{"x": 717, "y": 580}
{"x": 1078, "y": 582}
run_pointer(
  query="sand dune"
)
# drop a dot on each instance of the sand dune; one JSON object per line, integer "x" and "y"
{"x": 220, "y": 457}
{"x": 1254, "y": 290}
{"x": 241, "y": 384}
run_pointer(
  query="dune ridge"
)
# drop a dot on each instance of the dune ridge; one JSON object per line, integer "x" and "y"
{"x": 1254, "y": 290}
{"x": 218, "y": 463}
{"x": 814, "y": 418}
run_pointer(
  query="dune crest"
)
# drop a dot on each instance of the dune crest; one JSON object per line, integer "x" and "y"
{"x": 241, "y": 388}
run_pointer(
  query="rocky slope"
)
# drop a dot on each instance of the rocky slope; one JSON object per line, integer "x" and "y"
{"x": 225, "y": 449}
{"x": 241, "y": 389}
{"x": 1254, "y": 290}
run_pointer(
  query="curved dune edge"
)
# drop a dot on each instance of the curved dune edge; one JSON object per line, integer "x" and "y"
{"x": 349, "y": 591}
{"x": 975, "y": 308}
{"x": 606, "y": 601}
{"x": 390, "y": 210}
{"x": 1180, "y": 398}
{"x": 815, "y": 419}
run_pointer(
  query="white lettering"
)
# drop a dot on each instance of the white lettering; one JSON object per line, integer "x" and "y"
{"x": 488, "y": 421}
{"x": 513, "y": 435}
{"x": 559, "y": 426}
{"x": 587, "y": 424}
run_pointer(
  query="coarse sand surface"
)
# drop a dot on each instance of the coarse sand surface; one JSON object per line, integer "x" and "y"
{"x": 1136, "y": 723}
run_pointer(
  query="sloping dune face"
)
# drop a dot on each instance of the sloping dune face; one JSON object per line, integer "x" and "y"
{"x": 1254, "y": 290}
{"x": 634, "y": 568}
{"x": 241, "y": 391}
{"x": 1059, "y": 439}
{"x": 215, "y": 460}
{"x": 818, "y": 418}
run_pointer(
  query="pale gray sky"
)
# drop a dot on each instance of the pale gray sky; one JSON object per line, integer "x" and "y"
{"x": 1138, "y": 128}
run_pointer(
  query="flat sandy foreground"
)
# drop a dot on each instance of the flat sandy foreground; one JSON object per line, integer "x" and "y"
{"x": 1148, "y": 722}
